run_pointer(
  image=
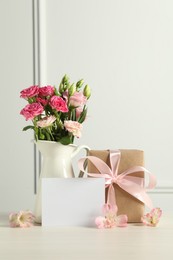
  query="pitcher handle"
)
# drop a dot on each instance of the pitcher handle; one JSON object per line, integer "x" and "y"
{"x": 77, "y": 150}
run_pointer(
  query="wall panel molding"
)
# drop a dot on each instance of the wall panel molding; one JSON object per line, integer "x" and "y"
{"x": 36, "y": 76}
{"x": 42, "y": 47}
{"x": 39, "y": 64}
{"x": 162, "y": 190}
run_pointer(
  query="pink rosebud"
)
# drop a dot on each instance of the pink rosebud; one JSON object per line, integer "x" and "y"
{"x": 31, "y": 110}
{"x": 73, "y": 127}
{"x": 78, "y": 112}
{"x": 152, "y": 218}
{"x": 58, "y": 103}
{"x": 65, "y": 95}
{"x": 22, "y": 219}
{"x": 46, "y": 121}
{"x": 29, "y": 92}
{"x": 78, "y": 99}
{"x": 46, "y": 91}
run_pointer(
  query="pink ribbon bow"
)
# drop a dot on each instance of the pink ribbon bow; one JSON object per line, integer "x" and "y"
{"x": 131, "y": 184}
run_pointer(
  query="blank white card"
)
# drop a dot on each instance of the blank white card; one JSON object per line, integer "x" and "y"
{"x": 72, "y": 201}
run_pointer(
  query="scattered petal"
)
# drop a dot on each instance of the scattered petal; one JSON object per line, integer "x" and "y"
{"x": 21, "y": 219}
{"x": 152, "y": 218}
{"x": 121, "y": 221}
{"x": 100, "y": 222}
{"x": 109, "y": 223}
{"x": 110, "y": 219}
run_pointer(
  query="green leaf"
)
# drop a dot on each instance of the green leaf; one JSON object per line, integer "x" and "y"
{"x": 28, "y": 127}
{"x": 48, "y": 136}
{"x": 73, "y": 115}
{"x": 65, "y": 140}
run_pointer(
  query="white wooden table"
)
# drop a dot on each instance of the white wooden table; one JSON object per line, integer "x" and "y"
{"x": 133, "y": 242}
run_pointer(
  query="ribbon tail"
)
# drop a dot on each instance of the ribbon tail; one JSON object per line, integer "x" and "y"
{"x": 111, "y": 195}
{"x": 143, "y": 197}
{"x": 137, "y": 191}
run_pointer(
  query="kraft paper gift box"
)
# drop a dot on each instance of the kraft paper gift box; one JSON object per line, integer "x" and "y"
{"x": 126, "y": 203}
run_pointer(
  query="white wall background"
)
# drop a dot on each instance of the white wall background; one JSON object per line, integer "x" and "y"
{"x": 123, "y": 49}
{"x": 16, "y": 73}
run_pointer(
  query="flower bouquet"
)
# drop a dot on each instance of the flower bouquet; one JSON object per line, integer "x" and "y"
{"x": 57, "y": 114}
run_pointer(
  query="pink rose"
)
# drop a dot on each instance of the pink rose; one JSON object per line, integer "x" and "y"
{"x": 78, "y": 99}
{"x": 46, "y": 121}
{"x": 58, "y": 103}
{"x": 29, "y": 92}
{"x": 31, "y": 110}
{"x": 73, "y": 127}
{"x": 42, "y": 101}
{"x": 46, "y": 91}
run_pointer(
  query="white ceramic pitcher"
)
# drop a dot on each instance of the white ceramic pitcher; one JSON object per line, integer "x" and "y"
{"x": 56, "y": 163}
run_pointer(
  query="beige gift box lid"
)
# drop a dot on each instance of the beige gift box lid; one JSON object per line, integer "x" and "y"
{"x": 126, "y": 203}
